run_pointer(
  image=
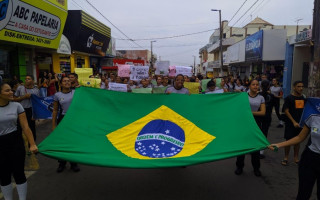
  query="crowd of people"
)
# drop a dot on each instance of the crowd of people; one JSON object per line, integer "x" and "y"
{"x": 263, "y": 95}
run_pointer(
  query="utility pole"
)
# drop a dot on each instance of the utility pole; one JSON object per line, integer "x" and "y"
{"x": 194, "y": 65}
{"x": 297, "y": 29}
{"x": 151, "y": 62}
{"x": 220, "y": 45}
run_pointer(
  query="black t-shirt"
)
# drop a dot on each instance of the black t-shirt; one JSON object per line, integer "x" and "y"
{"x": 295, "y": 105}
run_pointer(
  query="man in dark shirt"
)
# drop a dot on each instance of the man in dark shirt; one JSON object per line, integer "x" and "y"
{"x": 293, "y": 108}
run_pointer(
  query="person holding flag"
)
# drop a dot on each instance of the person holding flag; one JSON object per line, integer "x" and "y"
{"x": 12, "y": 150}
{"x": 258, "y": 108}
{"x": 178, "y": 86}
{"x": 63, "y": 100}
{"x": 309, "y": 171}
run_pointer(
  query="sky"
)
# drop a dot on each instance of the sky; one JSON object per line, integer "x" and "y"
{"x": 147, "y": 19}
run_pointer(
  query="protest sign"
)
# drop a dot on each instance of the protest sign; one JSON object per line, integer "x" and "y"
{"x": 218, "y": 83}
{"x": 124, "y": 70}
{"x": 172, "y": 71}
{"x": 153, "y": 82}
{"x": 159, "y": 90}
{"x": 118, "y": 87}
{"x": 186, "y": 71}
{"x": 139, "y": 72}
{"x": 90, "y": 82}
{"x": 162, "y": 68}
{"x": 192, "y": 87}
{"x": 142, "y": 90}
{"x": 204, "y": 83}
{"x": 83, "y": 73}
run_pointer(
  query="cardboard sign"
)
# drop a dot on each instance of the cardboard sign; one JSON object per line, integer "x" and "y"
{"x": 90, "y": 82}
{"x": 186, "y": 71}
{"x": 192, "y": 87}
{"x": 159, "y": 90}
{"x": 142, "y": 90}
{"x": 162, "y": 68}
{"x": 172, "y": 71}
{"x": 139, "y": 72}
{"x": 124, "y": 70}
{"x": 118, "y": 87}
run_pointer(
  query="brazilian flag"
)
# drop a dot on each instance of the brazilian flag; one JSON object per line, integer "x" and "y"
{"x": 115, "y": 129}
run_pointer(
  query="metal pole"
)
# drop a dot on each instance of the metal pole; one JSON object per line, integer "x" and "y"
{"x": 221, "y": 33}
{"x": 151, "y": 63}
{"x": 194, "y": 65}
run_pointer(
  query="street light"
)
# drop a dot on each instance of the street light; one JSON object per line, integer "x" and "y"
{"x": 151, "y": 63}
{"x": 221, "y": 33}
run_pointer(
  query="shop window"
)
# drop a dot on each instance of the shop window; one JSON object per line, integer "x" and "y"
{"x": 80, "y": 62}
{"x": 65, "y": 66}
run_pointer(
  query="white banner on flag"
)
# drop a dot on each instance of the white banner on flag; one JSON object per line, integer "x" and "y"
{"x": 139, "y": 72}
{"x": 162, "y": 68}
{"x": 118, "y": 87}
{"x": 186, "y": 71}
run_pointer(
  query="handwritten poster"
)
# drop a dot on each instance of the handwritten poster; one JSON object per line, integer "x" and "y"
{"x": 124, "y": 70}
{"x": 172, "y": 71}
{"x": 192, "y": 87}
{"x": 186, "y": 71}
{"x": 139, "y": 72}
{"x": 118, "y": 87}
{"x": 142, "y": 90}
{"x": 162, "y": 68}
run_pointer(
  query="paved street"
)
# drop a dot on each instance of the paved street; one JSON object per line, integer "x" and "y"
{"x": 207, "y": 181}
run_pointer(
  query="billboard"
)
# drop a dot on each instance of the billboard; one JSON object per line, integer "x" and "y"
{"x": 37, "y": 23}
{"x": 86, "y": 34}
{"x": 254, "y": 47}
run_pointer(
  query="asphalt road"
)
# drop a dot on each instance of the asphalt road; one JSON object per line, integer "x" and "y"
{"x": 214, "y": 180}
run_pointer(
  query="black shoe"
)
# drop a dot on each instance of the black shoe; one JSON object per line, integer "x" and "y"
{"x": 280, "y": 126}
{"x": 238, "y": 171}
{"x": 75, "y": 168}
{"x": 261, "y": 156}
{"x": 257, "y": 172}
{"x": 61, "y": 168}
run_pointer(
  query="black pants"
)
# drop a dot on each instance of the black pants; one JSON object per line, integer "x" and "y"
{"x": 255, "y": 156}
{"x": 31, "y": 123}
{"x": 12, "y": 157}
{"x": 63, "y": 162}
{"x": 276, "y": 105}
{"x": 309, "y": 173}
{"x": 255, "y": 160}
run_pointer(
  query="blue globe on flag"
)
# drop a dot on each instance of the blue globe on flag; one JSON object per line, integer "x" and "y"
{"x": 160, "y": 139}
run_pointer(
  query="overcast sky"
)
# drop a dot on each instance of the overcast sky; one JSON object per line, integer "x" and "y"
{"x": 144, "y": 19}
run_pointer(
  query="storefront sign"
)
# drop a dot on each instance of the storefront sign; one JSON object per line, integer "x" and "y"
{"x": 86, "y": 34}
{"x": 64, "y": 46}
{"x": 31, "y": 22}
{"x": 303, "y": 36}
{"x": 254, "y": 46}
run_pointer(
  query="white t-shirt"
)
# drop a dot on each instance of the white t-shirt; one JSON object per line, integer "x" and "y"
{"x": 64, "y": 100}
{"x": 22, "y": 90}
{"x": 9, "y": 117}
{"x": 313, "y": 122}
{"x": 255, "y": 102}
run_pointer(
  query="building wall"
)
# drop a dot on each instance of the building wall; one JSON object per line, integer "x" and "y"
{"x": 300, "y": 55}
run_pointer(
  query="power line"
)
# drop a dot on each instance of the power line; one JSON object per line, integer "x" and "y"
{"x": 169, "y": 37}
{"x": 238, "y": 11}
{"x": 113, "y": 24}
{"x": 245, "y": 13}
{"x": 173, "y": 46}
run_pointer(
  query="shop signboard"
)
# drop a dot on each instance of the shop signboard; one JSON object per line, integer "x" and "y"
{"x": 254, "y": 46}
{"x": 64, "y": 46}
{"x": 111, "y": 51}
{"x": 37, "y": 23}
{"x": 86, "y": 34}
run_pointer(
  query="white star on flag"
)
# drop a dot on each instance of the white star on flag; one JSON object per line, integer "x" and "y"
{"x": 167, "y": 131}
{"x": 172, "y": 149}
{"x": 163, "y": 143}
{"x": 139, "y": 143}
